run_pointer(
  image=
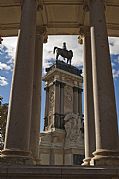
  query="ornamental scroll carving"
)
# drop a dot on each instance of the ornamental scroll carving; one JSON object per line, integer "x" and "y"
{"x": 73, "y": 130}
{"x": 51, "y": 106}
{"x": 51, "y": 99}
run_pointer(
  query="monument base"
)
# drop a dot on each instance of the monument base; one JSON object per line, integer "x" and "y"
{"x": 54, "y": 150}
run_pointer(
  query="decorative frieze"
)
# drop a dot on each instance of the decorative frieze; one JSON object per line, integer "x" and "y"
{"x": 73, "y": 125}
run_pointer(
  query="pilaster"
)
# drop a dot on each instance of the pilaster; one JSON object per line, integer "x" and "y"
{"x": 75, "y": 100}
{"x": 46, "y": 107}
{"x": 80, "y": 101}
{"x": 57, "y": 104}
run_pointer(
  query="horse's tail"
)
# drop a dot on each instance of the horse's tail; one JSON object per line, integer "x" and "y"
{"x": 54, "y": 49}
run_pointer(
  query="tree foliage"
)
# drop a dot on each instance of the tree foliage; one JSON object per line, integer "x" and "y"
{"x": 3, "y": 119}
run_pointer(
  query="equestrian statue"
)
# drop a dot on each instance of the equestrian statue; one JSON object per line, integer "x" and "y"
{"x": 64, "y": 53}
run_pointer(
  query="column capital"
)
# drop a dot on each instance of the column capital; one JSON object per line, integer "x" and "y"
{"x": 56, "y": 82}
{"x": 75, "y": 88}
{"x": 42, "y": 30}
{"x": 62, "y": 85}
{"x": 80, "y": 90}
{"x": 84, "y": 31}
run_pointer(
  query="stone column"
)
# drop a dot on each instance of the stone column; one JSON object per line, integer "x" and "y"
{"x": 75, "y": 100}
{"x": 57, "y": 104}
{"x": 62, "y": 105}
{"x": 36, "y": 99}
{"x": 80, "y": 102}
{"x": 46, "y": 107}
{"x": 19, "y": 115}
{"x": 104, "y": 98}
{"x": 89, "y": 121}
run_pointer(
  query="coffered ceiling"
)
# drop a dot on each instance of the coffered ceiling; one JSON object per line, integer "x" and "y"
{"x": 59, "y": 16}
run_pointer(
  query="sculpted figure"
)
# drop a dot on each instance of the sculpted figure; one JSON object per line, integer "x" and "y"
{"x": 64, "y": 53}
{"x": 73, "y": 132}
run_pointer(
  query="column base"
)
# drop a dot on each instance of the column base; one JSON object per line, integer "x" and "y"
{"x": 105, "y": 158}
{"x": 16, "y": 157}
{"x": 86, "y": 161}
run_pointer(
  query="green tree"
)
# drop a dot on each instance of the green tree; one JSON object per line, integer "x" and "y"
{"x": 3, "y": 119}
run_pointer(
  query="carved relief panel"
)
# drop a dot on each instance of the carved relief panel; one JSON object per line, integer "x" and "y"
{"x": 68, "y": 99}
{"x": 73, "y": 126}
{"x": 51, "y": 106}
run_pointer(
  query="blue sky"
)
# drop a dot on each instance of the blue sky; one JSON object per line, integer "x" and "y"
{"x": 7, "y": 56}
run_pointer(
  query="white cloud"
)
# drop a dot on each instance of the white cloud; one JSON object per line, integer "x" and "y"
{"x": 4, "y": 66}
{"x": 114, "y": 45}
{"x": 3, "y": 81}
{"x": 10, "y": 43}
{"x": 115, "y": 73}
{"x": 113, "y": 64}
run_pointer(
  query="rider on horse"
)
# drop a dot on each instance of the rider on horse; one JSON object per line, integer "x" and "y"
{"x": 64, "y": 53}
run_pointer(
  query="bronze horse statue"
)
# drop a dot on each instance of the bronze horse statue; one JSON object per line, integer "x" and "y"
{"x": 64, "y": 53}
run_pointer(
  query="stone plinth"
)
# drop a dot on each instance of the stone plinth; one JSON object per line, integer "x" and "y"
{"x": 53, "y": 149}
{"x": 53, "y": 172}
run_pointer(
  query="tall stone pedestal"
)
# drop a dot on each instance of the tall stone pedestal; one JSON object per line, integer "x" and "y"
{"x": 62, "y": 141}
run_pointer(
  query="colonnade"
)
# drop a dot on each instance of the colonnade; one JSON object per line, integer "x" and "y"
{"x": 101, "y": 132}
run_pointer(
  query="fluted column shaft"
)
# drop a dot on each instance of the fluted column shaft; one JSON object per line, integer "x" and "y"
{"x": 19, "y": 115}
{"x": 62, "y": 105}
{"x": 80, "y": 102}
{"x": 75, "y": 100}
{"x": 36, "y": 99}
{"x": 104, "y": 99}
{"x": 46, "y": 107}
{"x": 57, "y": 104}
{"x": 89, "y": 121}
